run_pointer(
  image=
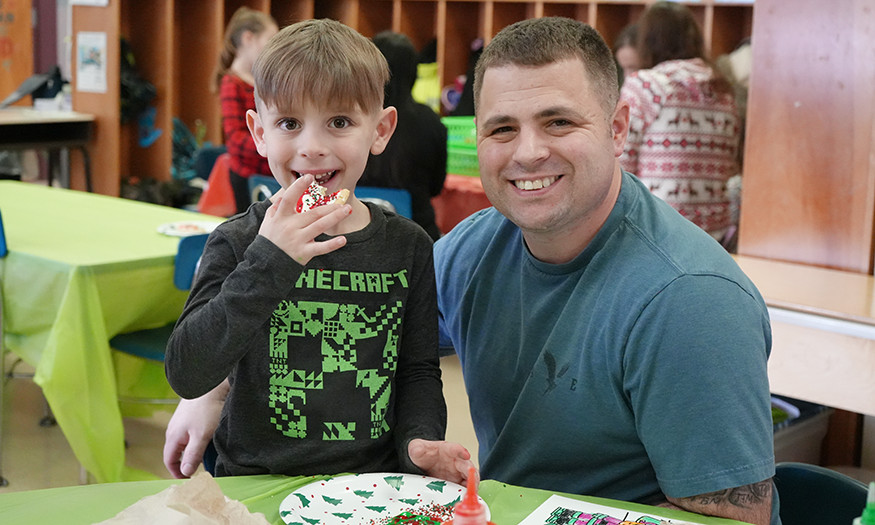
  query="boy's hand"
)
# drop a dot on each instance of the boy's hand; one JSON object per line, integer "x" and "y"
{"x": 441, "y": 459}
{"x": 295, "y": 233}
{"x": 190, "y": 430}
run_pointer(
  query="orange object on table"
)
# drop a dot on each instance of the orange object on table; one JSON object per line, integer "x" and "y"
{"x": 462, "y": 196}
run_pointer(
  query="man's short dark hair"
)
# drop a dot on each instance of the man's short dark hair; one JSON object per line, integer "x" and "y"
{"x": 541, "y": 41}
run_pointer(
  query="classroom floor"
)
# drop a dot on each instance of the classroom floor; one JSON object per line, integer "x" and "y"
{"x": 35, "y": 457}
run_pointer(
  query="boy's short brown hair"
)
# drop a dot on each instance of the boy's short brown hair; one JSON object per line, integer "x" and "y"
{"x": 320, "y": 61}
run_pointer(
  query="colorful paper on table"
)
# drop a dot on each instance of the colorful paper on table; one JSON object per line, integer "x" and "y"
{"x": 558, "y": 510}
{"x": 187, "y": 228}
{"x": 370, "y": 499}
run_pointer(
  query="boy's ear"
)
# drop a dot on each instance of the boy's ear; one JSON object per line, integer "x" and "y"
{"x": 386, "y": 124}
{"x": 253, "y": 122}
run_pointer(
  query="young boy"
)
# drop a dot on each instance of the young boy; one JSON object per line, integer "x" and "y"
{"x": 324, "y": 321}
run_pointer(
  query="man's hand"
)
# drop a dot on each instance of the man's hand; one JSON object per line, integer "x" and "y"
{"x": 750, "y": 503}
{"x": 295, "y": 233}
{"x": 441, "y": 459}
{"x": 190, "y": 430}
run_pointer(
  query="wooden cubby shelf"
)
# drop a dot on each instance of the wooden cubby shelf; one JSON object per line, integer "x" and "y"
{"x": 176, "y": 45}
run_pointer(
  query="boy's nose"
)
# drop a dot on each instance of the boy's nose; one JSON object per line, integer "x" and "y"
{"x": 312, "y": 144}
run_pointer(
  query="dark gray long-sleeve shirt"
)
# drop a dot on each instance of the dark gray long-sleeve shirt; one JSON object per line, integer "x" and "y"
{"x": 333, "y": 366}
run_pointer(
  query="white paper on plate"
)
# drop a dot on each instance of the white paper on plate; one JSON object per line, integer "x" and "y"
{"x": 558, "y": 510}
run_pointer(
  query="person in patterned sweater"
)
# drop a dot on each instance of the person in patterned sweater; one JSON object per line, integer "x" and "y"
{"x": 684, "y": 124}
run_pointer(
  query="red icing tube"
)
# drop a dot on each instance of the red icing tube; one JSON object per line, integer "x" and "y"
{"x": 470, "y": 511}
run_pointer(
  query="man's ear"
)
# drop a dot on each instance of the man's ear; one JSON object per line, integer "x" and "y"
{"x": 253, "y": 122}
{"x": 620, "y": 126}
{"x": 386, "y": 124}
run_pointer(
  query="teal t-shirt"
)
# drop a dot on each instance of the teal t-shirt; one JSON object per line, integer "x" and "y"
{"x": 637, "y": 369}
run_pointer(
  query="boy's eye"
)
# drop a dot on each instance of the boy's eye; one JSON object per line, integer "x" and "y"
{"x": 340, "y": 122}
{"x": 288, "y": 124}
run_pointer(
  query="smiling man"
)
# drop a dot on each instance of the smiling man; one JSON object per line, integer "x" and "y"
{"x": 609, "y": 346}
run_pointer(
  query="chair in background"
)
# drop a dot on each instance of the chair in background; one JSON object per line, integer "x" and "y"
{"x": 811, "y": 495}
{"x": 262, "y": 187}
{"x": 393, "y": 199}
{"x": 206, "y": 158}
{"x": 151, "y": 343}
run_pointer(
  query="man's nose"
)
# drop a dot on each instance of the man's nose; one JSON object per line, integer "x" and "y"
{"x": 531, "y": 148}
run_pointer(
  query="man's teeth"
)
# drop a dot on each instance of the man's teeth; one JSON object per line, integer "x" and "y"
{"x": 536, "y": 184}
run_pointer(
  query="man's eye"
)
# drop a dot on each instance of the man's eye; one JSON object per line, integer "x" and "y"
{"x": 502, "y": 129}
{"x": 340, "y": 122}
{"x": 560, "y": 123}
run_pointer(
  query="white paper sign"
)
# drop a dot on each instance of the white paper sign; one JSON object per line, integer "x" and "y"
{"x": 99, "y": 3}
{"x": 558, "y": 510}
{"x": 91, "y": 62}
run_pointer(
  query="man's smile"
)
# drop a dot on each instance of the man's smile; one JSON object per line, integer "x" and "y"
{"x": 536, "y": 184}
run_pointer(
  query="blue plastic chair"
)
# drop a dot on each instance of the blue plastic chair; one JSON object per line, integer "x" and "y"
{"x": 813, "y": 495}
{"x": 262, "y": 187}
{"x": 151, "y": 343}
{"x": 393, "y": 199}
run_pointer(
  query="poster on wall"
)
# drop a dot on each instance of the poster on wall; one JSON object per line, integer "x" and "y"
{"x": 91, "y": 62}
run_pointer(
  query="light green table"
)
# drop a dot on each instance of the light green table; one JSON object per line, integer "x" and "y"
{"x": 82, "y": 268}
{"x": 94, "y": 503}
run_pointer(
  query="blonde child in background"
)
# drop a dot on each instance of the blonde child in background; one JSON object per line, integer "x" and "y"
{"x": 246, "y": 35}
{"x": 324, "y": 321}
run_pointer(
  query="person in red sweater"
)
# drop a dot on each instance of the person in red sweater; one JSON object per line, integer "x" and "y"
{"x": 246, "y": 35}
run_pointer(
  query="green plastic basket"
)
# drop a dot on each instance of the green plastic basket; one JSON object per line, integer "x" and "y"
{"x": 461, "y": 132}
{"x": 462, "y": 161}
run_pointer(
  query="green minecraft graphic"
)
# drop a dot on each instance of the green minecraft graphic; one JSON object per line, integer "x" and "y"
{"x": 339, "y": 328}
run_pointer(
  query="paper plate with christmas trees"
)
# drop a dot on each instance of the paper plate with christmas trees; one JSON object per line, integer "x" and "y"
{"x": 373, "y": 499}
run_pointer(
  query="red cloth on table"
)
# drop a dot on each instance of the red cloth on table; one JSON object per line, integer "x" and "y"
{"x": 460, "y": 197}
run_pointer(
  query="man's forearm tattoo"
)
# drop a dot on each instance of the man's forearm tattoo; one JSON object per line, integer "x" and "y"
{"x": 744, "y": 497}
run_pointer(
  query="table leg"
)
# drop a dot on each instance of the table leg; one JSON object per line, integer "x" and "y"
{"x": 54, "y": 163}
{"x": 86, "y": 160}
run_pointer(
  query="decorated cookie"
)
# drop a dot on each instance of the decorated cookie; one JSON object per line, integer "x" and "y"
{"x": 317, "y": 195}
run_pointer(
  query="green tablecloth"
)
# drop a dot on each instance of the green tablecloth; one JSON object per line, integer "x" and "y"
{"x": 82, "y": 268}
{"x": 93, "y": 503}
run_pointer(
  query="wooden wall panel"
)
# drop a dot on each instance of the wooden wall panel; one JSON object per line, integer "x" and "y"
{"x": 16, "y": 47}
{"x": 147, "y": 25}
{"x": 105, "y": 144}
{"x": 198, "y": 34}
{"x": 809, "y": 183}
